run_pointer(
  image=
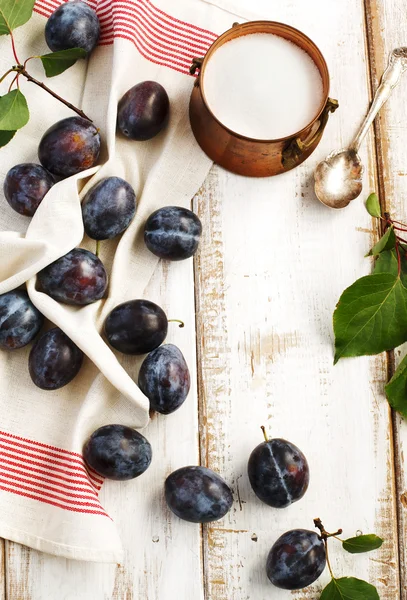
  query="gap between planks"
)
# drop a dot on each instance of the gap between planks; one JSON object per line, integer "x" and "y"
{"x": 374, "y": 79}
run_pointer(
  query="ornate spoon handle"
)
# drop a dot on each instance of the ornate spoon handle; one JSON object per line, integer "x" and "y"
{"x": 391, "y": 77}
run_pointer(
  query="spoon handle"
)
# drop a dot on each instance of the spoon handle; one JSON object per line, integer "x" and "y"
{"x": 391, "y": 77}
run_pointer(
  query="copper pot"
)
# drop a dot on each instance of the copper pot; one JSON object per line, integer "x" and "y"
{"x": 245, "y": 155}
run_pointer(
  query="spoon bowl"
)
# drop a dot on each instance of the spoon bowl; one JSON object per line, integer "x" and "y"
{"x": 338, "y": 179}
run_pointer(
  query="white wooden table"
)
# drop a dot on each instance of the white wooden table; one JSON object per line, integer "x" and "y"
{"x": 258, "y": 303}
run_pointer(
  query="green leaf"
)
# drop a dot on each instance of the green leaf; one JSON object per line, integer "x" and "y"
{"x": 14, "y": 13}
{"x": 387, "y": 242}
{"x": 349, "y": 588}
{"x": 371, "y": 316}
{"x": 6, "y": 137}
{"x": 57, "y": 62}
{"x": 396, "y": 389}
{"x": 362, "y": 543}
{"x": 14, "y": 112}
{"x": 386, "y": 262}
{"x": 373, "y": 206}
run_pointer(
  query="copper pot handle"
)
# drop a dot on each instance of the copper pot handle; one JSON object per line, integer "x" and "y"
{"x": 292, "y": 153}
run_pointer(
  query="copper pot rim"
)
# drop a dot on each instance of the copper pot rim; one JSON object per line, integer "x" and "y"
{"x": 212, "y": 48}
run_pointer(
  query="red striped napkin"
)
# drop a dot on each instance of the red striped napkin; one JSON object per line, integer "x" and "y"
{"x": 48, "y": 498}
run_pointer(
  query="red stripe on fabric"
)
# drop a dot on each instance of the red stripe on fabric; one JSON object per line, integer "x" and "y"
{"x": 41, "y": 451}
{"x": 46, "y": 487}
{"x": 58, "y": 505}
{"x": 48, "y": 495}
{"x": 30, "y": 475}
{"x": 160, "y": 43}
{"x": 119, "y": 9}
{"x": 37, "y": 464}
{"x": 45, "y": 473}
{"x": 35, "y": 443}
{"x": 41, "y": 12}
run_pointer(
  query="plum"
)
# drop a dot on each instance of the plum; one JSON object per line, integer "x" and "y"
{"x": 136, "y": 327}
{"x": 296, "y": 560}
{"x": 25, "y": 186}
{"x": 278, "y": 472}
{"x": 78, "y": 278}
{"x": 173, "y": 233}
{"x": 69, "y": 147}
{"x": 20, "y": 320}
{"x": 54, "y": 360}
{"x": 198, "y": 494}
{"x": 143, "y": 111}
{"x": 108, "y": 208}
{"x": 118, "y": 452}
{"x": 72, "y": 25}
{"x": 164, "y": 378}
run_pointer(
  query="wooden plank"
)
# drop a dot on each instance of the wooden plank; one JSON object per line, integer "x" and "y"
{"x": 162, "y": 553}
{"x": 2, "y": 571}
{"x": 387, "y": 30}
{"x": 272, "y": 265}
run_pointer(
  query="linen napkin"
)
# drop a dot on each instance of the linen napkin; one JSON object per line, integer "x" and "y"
{"x": 48, "y": 498}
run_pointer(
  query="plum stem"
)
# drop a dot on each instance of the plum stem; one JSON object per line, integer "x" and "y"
{"x": 13, "y": 46}
{"x": 328, "y": 562}
{"x": 6, "y": 73}
{"x": 97, "y": 247}
{"x": 266, "y": 437}
{"x": 181, "y": 323}
{"x": 20, "y": 69}
{"x": 324, "y": 534}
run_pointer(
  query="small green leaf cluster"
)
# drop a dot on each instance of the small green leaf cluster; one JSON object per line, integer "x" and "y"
{"x": 371, "y": 314}
{"x": 349, "y": 588}
{"x": 14, "y": 113}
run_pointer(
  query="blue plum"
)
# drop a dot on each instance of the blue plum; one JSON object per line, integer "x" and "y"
{"x": 78, "y": 278}
{"x": 108, "y": 208}
{"x": 72, "y": 25}
{"x": 118, "y": 452}
{"x": 278, "y": 473}
{"x": 54, "y": 360}
{"x": 173, "y": 233}
{"x": 25, "y": 186}
{"x": 20, "y": 320}
{"x": 296, "y": 560}
{"x": 69, "y": 147}
{"x": 164, "y": 378}
{"x": 197, "y": 494}
{"x": 136, "y": 327}
{"x": 143, "y": 111}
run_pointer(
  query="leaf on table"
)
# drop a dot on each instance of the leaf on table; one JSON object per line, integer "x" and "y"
{"x": 349, "y": 588}
{"x": 396, "y": 389}
{"x": 362, "y": 543}
{"x": 371, "y": 316}
{"x": 373, "y": 206}
{"x": 14, "y": 13}
{"x": 386, "y": 242}
{"x": 14, "y": 112}
{"x": 386, "y": 262}
{"x": 57, "y": 62}
{"x": 6, "y": 137}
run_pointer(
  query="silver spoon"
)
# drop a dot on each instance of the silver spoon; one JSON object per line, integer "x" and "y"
{"x": 338, "y": 179}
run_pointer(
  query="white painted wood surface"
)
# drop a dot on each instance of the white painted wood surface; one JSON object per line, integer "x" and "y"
{"x": 272, "y": 264}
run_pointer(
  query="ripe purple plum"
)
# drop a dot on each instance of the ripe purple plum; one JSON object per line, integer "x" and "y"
{"x": 296, "y": 560}
{"x": 78, "y": 278}
{"x": 54, "y": 360}
{"x": 108, "y": 208}
{"x": 72, "y": 25}
{"x": 118, "y": 452}
{"x": 20, "y": 320}
{"x": 173, "y": 233}
{"x": 198, "y": 494}
{"x": 25, "y": 186}
{"x": 69, "y": 147}
{"x": 278, "y": 472}
{"x": 136, "y": 327}
{"x": 143, "y": 111}
{"x": 164, "y": 378}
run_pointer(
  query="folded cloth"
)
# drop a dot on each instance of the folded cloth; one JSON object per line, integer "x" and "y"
{"x": 48, "y": 498}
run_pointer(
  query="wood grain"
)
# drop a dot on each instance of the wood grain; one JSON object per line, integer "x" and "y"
{"x": 387, "y": 30}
